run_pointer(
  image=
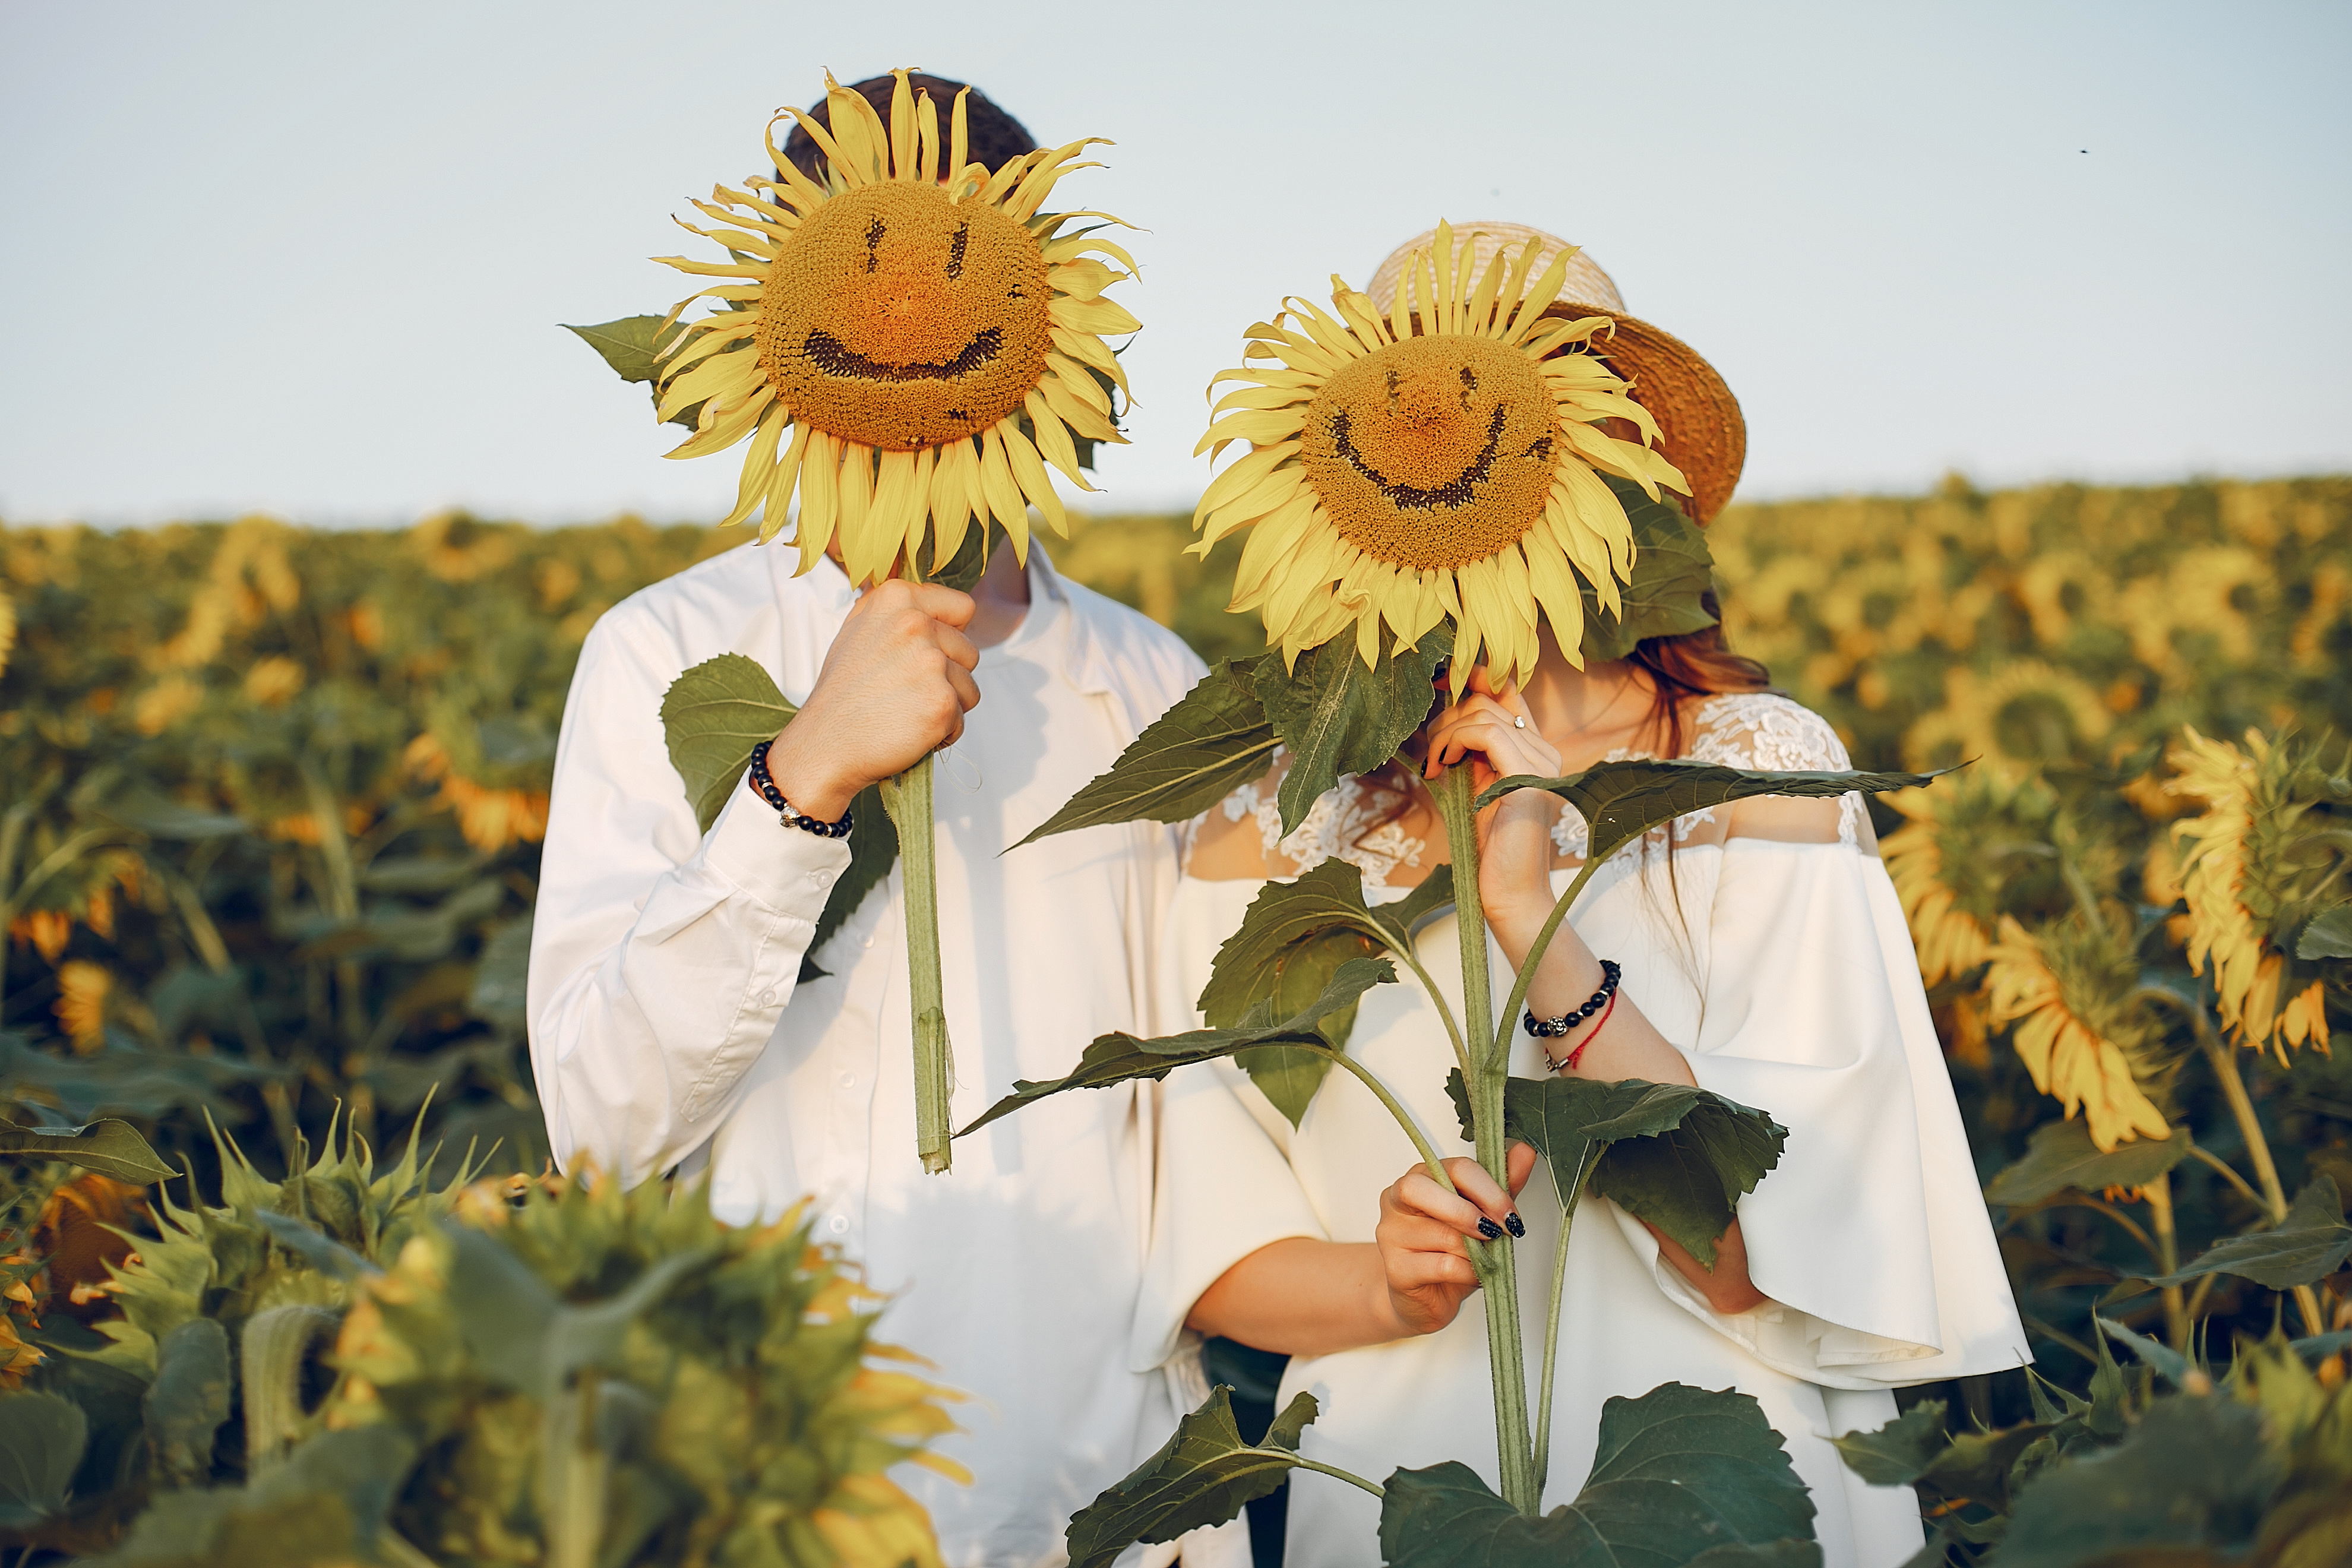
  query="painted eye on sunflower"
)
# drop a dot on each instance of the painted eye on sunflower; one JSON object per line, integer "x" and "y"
{"x": 1443, "y": 457}
{"x": 913, "y": 343}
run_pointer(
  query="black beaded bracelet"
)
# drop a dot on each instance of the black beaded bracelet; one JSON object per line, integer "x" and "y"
{"x": 1553, "y": 1028}
{"x": 785, "y": 811}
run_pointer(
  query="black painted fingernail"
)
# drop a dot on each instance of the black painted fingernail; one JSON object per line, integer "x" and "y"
{"x": 1516, "y": 1226}
{"x": 1489, "y": 1230}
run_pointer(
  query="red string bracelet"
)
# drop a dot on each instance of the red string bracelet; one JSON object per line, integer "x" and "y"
{"x": 1569, "y": 1065}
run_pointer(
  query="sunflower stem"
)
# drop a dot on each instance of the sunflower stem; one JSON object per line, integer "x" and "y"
{"x": 2258, "y": 1147}
{"x": 907, "y": 799}
{"x": 1497, "y": 1269}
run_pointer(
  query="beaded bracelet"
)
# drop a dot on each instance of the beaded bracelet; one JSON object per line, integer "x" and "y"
{"x": 1553, "y": 1028}
{"x": 786, "y": 812}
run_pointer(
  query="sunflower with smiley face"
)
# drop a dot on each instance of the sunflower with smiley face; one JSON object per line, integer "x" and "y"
{"x": 1442, "y": 458}
{"x": 909, "y": 346}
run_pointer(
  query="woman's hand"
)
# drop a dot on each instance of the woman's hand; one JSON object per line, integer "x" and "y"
{"x": 1496, "y": 734}
{"x": 1425, "y": 1230}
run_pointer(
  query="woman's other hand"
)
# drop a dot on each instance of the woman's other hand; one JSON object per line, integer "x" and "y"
{"x": 1496, "y": 733}
{"x": 1424, "y": 1232}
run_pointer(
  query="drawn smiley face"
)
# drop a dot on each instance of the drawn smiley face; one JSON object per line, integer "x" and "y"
{"x": 895, "y": 318}
{"x": 1432, "y": 452}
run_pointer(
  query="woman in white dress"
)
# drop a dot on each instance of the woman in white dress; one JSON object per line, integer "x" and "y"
{"x": 1764, "y": 956}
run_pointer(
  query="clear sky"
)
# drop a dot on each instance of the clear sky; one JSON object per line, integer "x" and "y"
{"x": 310, "y": 259}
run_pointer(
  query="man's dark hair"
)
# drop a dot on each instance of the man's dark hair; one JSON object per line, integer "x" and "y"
{"x": 994, "y": 135}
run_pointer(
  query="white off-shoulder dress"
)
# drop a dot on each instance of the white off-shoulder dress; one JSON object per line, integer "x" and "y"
{"x": 1785, "y": 972}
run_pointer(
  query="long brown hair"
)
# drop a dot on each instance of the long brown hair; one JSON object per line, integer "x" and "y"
{"x": 1680, "y": 668}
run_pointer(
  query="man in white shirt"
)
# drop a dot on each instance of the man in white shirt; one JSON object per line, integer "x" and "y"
{"x": 668, "y": 1030}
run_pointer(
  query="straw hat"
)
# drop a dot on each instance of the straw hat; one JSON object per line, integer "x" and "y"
{"x": 1701, "y": 431}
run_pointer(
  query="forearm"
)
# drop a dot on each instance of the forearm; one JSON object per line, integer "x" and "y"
{"x": 1301, "y": 1297}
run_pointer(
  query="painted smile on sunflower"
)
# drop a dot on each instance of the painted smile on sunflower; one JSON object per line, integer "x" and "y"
{"x": 1441, "y": 460}
{"x": 928, "y": 345}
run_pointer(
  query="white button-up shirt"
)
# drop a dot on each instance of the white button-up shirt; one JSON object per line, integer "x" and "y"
{"x": 668, "y": 1029}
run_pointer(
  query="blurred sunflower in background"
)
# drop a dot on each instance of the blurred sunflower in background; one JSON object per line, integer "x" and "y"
{"x": 926, "y": 340}
{"x": 1442, "y": 458}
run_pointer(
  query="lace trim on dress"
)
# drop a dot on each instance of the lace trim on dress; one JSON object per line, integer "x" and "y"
{"x": 1342, "y": 824}
{"x": 1754, "y": 730}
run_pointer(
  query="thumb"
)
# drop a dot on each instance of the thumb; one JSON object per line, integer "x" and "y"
{"x": 1519, "y": 1163}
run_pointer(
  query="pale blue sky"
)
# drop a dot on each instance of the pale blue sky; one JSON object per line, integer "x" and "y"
{"x": 309, "y": 259}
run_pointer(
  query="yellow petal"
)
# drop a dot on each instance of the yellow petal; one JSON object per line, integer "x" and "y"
{"x": 724, "y": 429}
{"x": 820, "y": 497}
{"x": 867, "y": 550}
{"x": 902, "y": 128}
{"x": 1076, "y": 412}
{"x": 779, "y": 501}
{"x": 1003, "y": 495}
{"x": 959, "y": 140}
{"x": 1029, "y": 473}
{"x": 896, "y": 517}
{"x": 1237, "y": 479}
{"x": 950, "y": 501}
{"x": 759, "y": 466}
{"x": 1267, "y": 496}
{"x": 1053, "y": 439}
{"x": 1103, "y": 318}
{"x": 1082, "y": 279}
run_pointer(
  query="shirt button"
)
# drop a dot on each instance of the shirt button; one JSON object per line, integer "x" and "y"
{"x": 840, "y": 1224}
{"x": 767, "y": 998}
{"x": 849, "y": 1080}
{"x": 869, "y": 941}
{"x": 816, "y": 878}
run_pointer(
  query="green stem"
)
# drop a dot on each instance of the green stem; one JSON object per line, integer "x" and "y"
{"x": 908, "y": 798}
{"x": 1353, "y": 1480}
{"x": 2158, "y": 1193}
{"x": 2258, "y": 1147}
{"x": 1497, "y": 1268}
{"x": 1364, "y": 1075}
{"x": 1551, "y": 1332}
{"x": 2230, "y": 1172}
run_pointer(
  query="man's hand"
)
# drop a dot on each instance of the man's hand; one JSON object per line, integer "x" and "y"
{"x": 894, "y": 688}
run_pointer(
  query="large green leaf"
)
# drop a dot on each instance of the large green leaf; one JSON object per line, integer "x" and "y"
{"x": 2192, "y": 1479}
{"x": 1622, "y": 801}
{"x": 2059, "y": 1155}
{"x": 630, "y": 345}
{"x": 327, "y": 1503}
{"x": 1672, "y": 568}
{"x": 2328, "y": 935}
{"x": 108, "y": 1146}
{"x": 1294, "y": 937}
{"x": 1675, "y": 1156}
{"x": 2310, "y": 1244}
{"x": 1680, "y": 1473}
{"x": 1115, "y": 1059}
{"x": 525, "y": 1336}
{"x": 41, "y": 1442}
{"x": 1901, "y": 1451}
{"x": 713, "y": 716}
{"x": 1338, "y": 716}
{"x": 1214, "y": 741}
{"x": 1201, "y": 1476}
{"x": 189, "y": 1399}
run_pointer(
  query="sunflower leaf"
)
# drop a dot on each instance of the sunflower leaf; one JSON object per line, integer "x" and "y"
{"x": 2310, "y": 1244}
{"x": 1622, "y": 801}
{"x": 1119, "y": 1058}
{"x": 1672, "y": 570}
{"x": 2189, "y": 1483}
{"x": 2061, "y": 1155}
{"x": 713, "y": 716}
{"x": 1338, "y": 717}
{"x": 1900, "y": 1452}
{"x": 1201, "y": 1476}
{"x": 2329, "y": 935}
{"x": 630, "y": 345}
{"x": 1214, "y": 741}
{"x": 108, "y": 1146}
{"x": 1676, "y": 1156}
{"x": 1681, "y": 1475}
{"x": 42, "y": 1437}
{"x": 1295, "y": 936}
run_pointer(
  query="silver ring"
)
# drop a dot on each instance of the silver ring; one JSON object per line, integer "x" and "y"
{"x": 1518, "y": 721}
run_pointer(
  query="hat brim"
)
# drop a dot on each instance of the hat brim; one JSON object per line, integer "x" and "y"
{"x": 1700, "y": 428}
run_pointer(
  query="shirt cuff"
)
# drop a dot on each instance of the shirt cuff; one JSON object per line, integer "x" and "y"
{"x": 787, "y": 869}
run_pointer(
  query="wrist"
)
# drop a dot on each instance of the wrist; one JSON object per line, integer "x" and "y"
{"x": 815, "y": 786}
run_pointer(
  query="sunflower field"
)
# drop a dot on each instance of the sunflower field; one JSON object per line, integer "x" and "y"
{"x": 268, "y": 848}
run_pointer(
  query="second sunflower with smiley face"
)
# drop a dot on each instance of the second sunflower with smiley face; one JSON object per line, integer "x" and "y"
{"x": 909, "y": 346}
{"x": 1441, "y": 460}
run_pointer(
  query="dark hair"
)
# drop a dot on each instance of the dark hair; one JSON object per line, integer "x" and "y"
{"x": 993, "y": 136}
{"x": 1694, "y": 664}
